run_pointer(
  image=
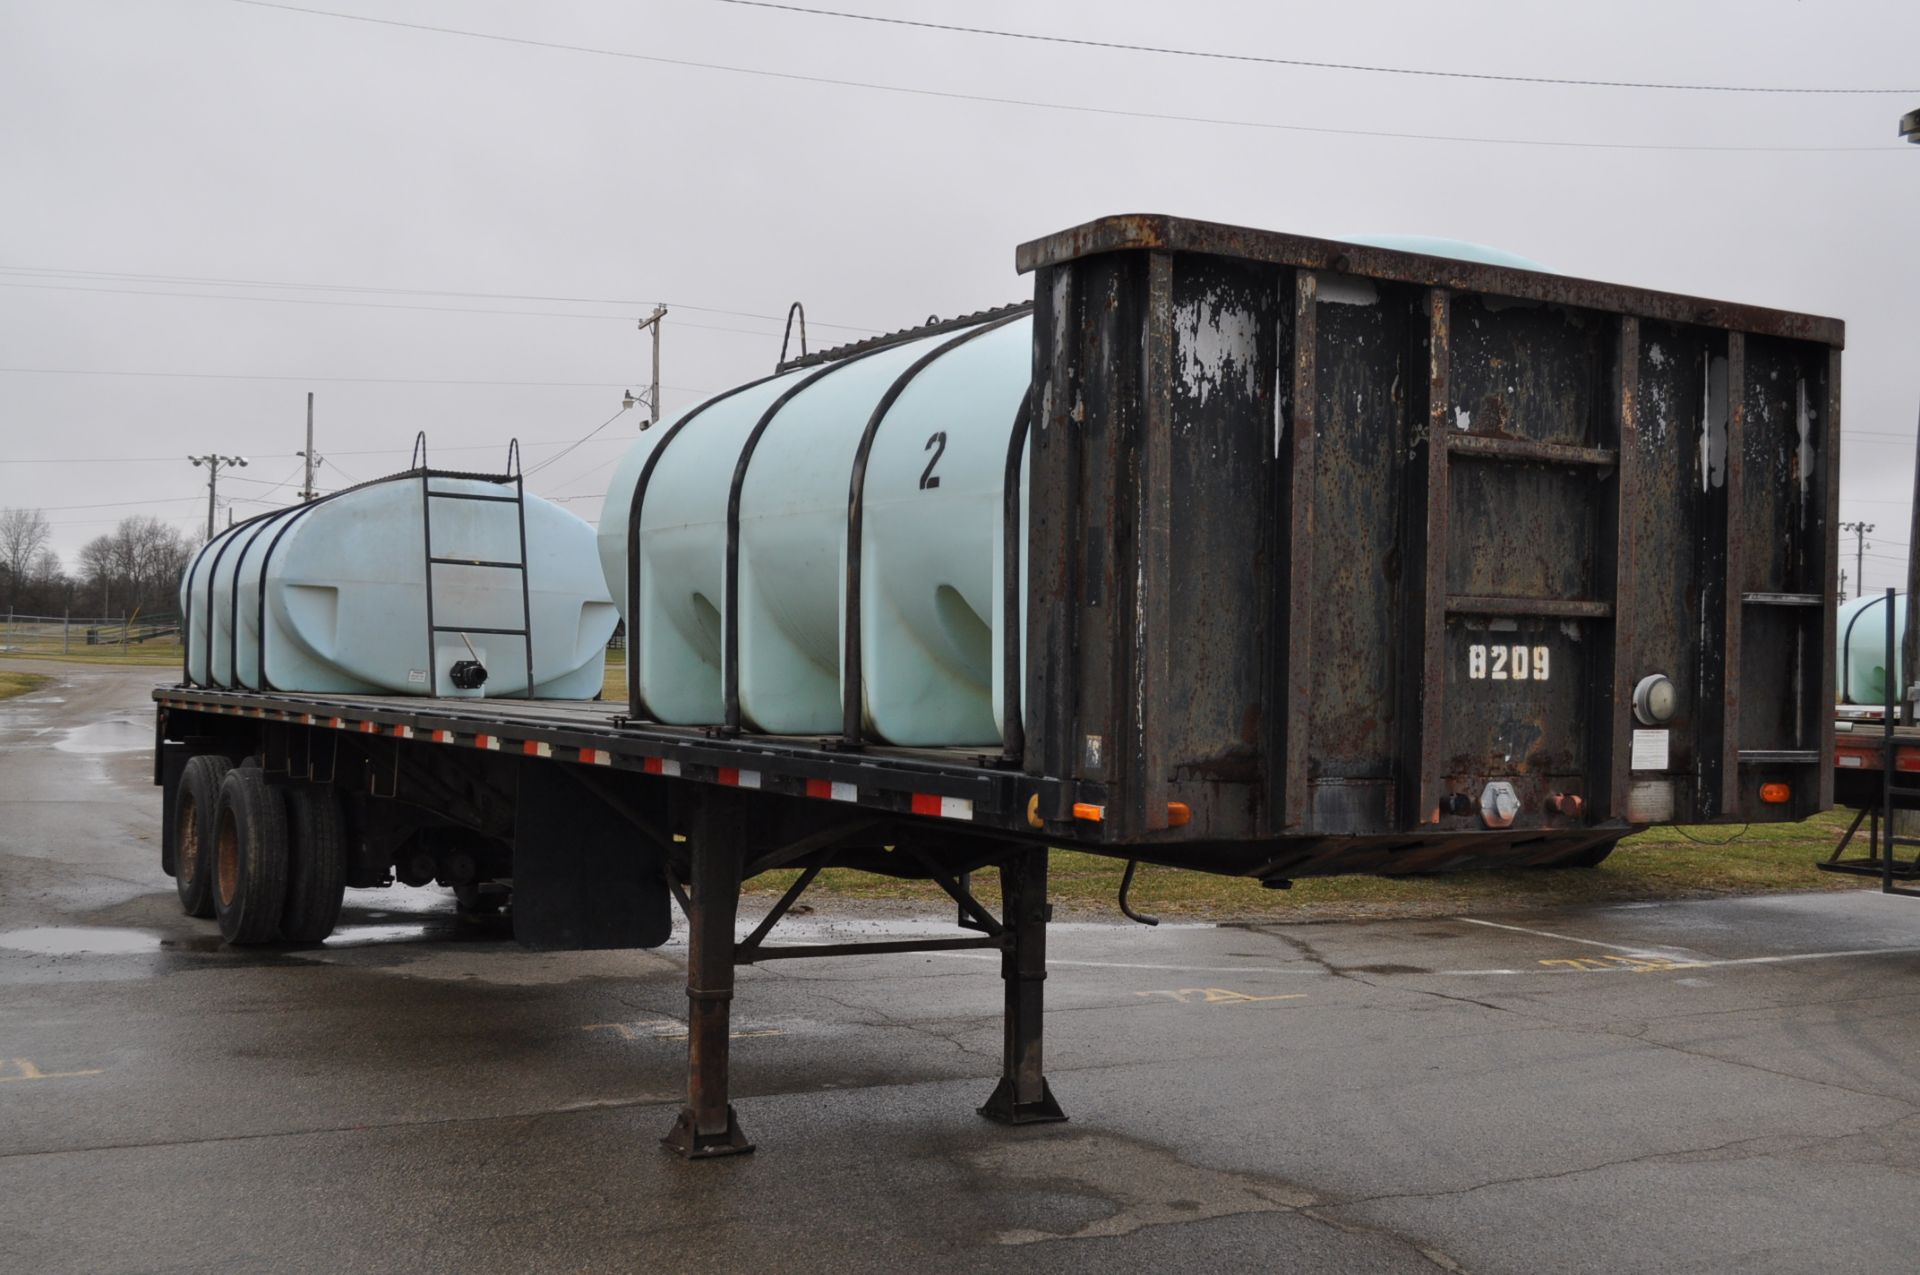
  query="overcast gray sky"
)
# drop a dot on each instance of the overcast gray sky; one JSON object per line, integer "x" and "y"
{"x": 460, "y": 232}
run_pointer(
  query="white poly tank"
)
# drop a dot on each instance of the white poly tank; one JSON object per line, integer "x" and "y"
{"x": 1861, "y": 656}
{"x": 346, "y": 598}
{"x": 942, "y": 409}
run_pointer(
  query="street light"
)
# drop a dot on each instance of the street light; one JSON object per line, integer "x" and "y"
{"x": 215, "y": 463}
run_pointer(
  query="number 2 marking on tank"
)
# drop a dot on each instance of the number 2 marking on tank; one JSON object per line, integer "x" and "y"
{"x": 938, "y": 446}
{"x": 1498, "y": 663}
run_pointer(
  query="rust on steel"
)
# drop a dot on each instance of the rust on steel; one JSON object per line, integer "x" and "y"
{"x": 1180, "y": 234}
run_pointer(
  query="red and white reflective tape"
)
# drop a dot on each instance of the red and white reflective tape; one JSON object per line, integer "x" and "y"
{"x": 443, "y": 737}
{"x": 403, "y": 732}
{"x": 491, "y": 742}
{"x": 307, "y": 718}
{"x": 534, "y": 748}
{"x": 369, "y": 728}
{"x": 660, "y": 766}
{"x": 596, "y": 757}
{"x": 925, "y": 803}
{"x": 829, "y": 790}
{"x": 739, "y": 778}
{"x": 334, "y": 722}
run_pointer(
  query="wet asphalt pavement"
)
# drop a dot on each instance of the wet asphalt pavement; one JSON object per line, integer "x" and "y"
{"x": 1707, "y": 1086}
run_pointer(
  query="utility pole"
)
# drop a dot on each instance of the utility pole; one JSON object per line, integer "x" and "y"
{"x": 1859, "y": 530}
{"x": 215, "y": 463}
{"x": 306, "y": 491}
{"x": 1910, "y": 639}
{"x": 653, "y": 390}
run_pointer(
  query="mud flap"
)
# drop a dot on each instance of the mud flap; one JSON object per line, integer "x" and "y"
{"x": 583, "y": 877}
{"x": 172, "y": 759}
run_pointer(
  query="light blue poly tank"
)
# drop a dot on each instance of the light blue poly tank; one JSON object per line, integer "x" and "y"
{"x": 1860, "y": 654}
{"x": 932, "y": 579}
{"x": 1458, "y": 249}
{"x": 346, "y": 597}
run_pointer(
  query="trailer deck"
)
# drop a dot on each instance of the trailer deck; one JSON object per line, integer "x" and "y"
{"x": 959, "y": 784}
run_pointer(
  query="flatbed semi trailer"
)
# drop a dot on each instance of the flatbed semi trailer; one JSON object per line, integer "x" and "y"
{"x": 1327, "y": 559}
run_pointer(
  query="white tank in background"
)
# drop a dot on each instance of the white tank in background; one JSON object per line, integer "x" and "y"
{"x": 346, "y": 597}
{"x": 1861, "y": 659}
{"x": 932, "y": 578}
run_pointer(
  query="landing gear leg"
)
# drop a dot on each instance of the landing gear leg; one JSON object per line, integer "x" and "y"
{"x": 717, "y": 841}
{"x": 1022, "y": 1096}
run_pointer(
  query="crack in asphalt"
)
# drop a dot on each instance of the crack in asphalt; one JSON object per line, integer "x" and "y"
{"x": 1637, "y": 1033}
{"x": 1309, "y": 953}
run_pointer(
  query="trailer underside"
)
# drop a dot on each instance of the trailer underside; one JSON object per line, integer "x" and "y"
{"x": 596, "y": 825}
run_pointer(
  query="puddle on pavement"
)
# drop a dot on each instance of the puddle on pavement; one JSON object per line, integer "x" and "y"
{"x": 103, "y": 940}
{"x": 116, "y": 735}
{"x": 74, "y": 940}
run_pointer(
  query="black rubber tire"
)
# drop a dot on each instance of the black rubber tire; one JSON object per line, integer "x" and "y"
{"x": 195, "y": 806}
{"x": 316, "y": 863}
{"x": 249, "y": 858}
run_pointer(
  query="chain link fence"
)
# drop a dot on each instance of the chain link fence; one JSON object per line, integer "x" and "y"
{"x": 78, "y": 635}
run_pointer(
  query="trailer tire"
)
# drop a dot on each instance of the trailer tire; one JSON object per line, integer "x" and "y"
{"x": 195, "y": 808}
{"x": 250, "y": 858}
{"x": 316, "y": 863}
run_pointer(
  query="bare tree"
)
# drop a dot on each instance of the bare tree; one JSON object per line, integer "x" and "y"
{"x": 136, "y": 566}
{"x": 96, "y": 570}
{"x": 23, "y": 534}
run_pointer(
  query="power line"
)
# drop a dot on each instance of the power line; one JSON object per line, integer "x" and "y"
{"x": 366, "y": 451}
{"x": 123, "y": 504}
{"x": 261, "y": 498}
{"x": 362, "y": 305}
{"x": 214, "y": 281}
{"x": 95, "y": 522}
{"x": 587, "y": 437}
{"x": 341, "y": 380}
{"x": 1299, "y": 62}
{"x": 1077, "y": 108}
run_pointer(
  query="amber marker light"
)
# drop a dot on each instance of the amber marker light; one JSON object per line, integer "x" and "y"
{"x": 1775, "y": 794}
{"x": 1088, "y": 811}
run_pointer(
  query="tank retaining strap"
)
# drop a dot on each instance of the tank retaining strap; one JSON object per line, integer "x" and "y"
{"x": 933, "y": 327}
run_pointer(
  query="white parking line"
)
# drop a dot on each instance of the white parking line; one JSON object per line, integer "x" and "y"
{"x": 1704, "y": 964}
{"x": 1568, "y": 938}
{"x": 1133, "y": 965}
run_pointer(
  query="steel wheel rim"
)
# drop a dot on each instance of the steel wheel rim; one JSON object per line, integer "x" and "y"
{"x": 186, "y": 836}
{"x": 227, "y": 857}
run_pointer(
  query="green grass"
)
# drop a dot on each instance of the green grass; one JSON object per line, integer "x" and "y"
{"x": 1662, "y": 863}
{"x": 12, "y": 684}
{"x": 154, "y": 654}
{"x": 1658, "y": 864}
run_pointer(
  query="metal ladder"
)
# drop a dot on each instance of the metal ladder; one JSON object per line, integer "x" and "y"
{"x": 518, "y": 500}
